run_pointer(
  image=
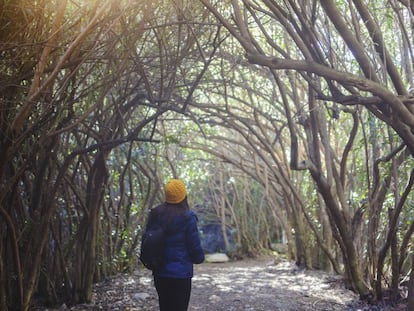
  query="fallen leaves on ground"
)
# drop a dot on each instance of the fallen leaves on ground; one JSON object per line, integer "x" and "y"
{"x": 246, "y": 285}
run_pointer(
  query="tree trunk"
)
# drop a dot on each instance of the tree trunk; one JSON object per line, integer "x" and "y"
{"x": 222, "y": 208}
{"x": 43, "y": 207}
{"x": 303, "y": 259}
{"x": 410, "y": 305}
{"x": 352, "y": 263}
{"x": 324, "y": 261}
{"x": 87, "y": 235}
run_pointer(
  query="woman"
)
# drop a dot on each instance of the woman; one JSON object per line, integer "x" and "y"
{"x": 182, "y": 250}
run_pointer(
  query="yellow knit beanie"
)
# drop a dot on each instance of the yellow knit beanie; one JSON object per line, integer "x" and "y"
{"x": 175, "y": 191}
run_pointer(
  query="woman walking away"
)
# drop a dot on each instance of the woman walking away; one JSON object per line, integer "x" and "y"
{"x": 182, "y": 247}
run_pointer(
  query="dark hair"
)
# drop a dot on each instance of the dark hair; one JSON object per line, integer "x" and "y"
{"x": 174, "y": 209}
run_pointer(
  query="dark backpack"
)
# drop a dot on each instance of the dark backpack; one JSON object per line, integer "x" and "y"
{"x": 152, "y": 248}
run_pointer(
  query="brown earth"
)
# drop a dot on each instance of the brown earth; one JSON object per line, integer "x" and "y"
{"x": 247, "y": 285}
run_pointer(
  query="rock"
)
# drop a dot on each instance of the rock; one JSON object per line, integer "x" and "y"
{"x": 281, "y": 248}
{"x": 217, "y": 258}
{"x": 212, "y": 239}
{"x": 141, "y": 296}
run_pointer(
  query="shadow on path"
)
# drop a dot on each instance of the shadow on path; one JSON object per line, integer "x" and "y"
{"x": 261, "y": 285}
{"x": 248, "y": 285}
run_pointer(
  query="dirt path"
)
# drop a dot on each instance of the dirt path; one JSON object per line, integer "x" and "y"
{"x": 262, "y": 285}
{"x": 249, "y": 285}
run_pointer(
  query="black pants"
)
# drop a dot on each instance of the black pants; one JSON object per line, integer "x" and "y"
{"x": 173, "y": 294}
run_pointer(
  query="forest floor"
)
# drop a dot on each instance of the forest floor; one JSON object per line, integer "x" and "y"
{"x": 246, "y": 285}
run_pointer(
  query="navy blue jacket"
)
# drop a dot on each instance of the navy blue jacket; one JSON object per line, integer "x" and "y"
{"x": 183, "y": 247}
